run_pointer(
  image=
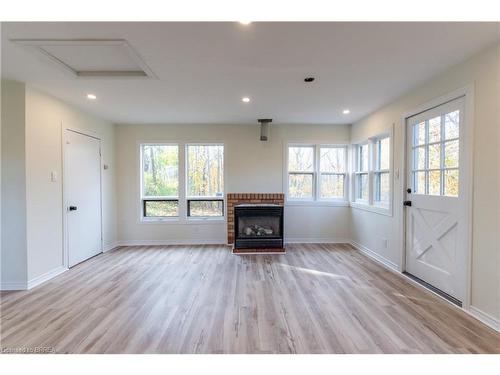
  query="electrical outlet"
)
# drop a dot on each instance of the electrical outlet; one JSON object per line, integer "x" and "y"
{"x": 385, "y": 243}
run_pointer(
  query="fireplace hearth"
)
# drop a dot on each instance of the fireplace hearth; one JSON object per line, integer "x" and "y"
{"x": 258, "y": 226}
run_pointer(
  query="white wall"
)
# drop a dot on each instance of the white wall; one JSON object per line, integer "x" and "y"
{"x": 483, "y": 71}
{"x": 13, "y": 256}
{"x": 251, "y": 166}
{"x": 45, "y": 117}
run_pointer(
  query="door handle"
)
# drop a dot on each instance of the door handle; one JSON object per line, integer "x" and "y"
{"x": 73, "y": 208}
{"x": 407, "y": 203}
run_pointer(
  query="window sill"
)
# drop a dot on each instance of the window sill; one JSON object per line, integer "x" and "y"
{"x": 187, "y": 221}
{"x": 205, "y": 220}
{"x": 386, "y": 211}
{"x": 317, "y": 203}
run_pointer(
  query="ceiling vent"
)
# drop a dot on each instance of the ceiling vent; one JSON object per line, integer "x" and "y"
{"x": 92, "y": 58}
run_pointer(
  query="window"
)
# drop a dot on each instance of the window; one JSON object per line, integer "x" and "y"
{"x": 382, "y": 171}
{"x": 202, "y": 181}
{"x": 316, "y": 172}
{"x": 361, "y": 172}
{"x": 300, "y": 172}
{"x": 205, "y": 180}
{"x": 160, "y": 180}
{"x": 332, "y": 168}
{"x": 436, "y": 155}
{"x": 372, "y": 181}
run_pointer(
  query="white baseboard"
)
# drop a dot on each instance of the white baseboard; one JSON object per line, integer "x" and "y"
{"x": 170, "y": 242}
{"x": 485, "y": 318}
{"x": 316, "y": 240}
{"x": 13, "y": 286}
{"x": 379, "y": 258}
{"x": 46, "y": 277}
{"x": 110, "y": 246}
{"x": 218, "y": 242}
{"x": 476, "y": 313}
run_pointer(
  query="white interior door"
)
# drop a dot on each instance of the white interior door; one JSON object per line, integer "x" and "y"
{"x": 436, "y": 225}
{"x": 83, "y": 196}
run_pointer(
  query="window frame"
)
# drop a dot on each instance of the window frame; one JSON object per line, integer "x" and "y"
{"x": 371, "y": 204}
{"x": 345, "y": 197}
{"x": 379, "y": 171}
{"x": 316, "y": 176}
{"x": 182, "y": 218}
{"x": 143, "y": 198}
{"x": 313, "y": 173}
{"x": 442, "y": 169}
{"x": 209, "y": 199}
{"x": 359, "y": 173}
{"x": 188, "y": 198}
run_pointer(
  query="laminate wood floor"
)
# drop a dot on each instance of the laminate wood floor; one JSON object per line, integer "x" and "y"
{"x": 203, "y": 299}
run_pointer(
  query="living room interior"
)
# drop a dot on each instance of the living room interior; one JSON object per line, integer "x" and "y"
{"x": 250, "y": 187}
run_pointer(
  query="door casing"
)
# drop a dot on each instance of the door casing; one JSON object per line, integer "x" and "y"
{"x": 65, "y": 204}
{"x": 466, "y": 167}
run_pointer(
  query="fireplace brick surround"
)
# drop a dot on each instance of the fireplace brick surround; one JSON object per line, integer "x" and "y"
{"x": 234, "y": 199}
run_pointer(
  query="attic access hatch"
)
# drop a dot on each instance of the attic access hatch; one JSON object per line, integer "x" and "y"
{"x": 92, "y": 58}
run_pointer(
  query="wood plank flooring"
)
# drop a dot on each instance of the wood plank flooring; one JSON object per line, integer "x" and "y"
{"x": 203, "y": 299}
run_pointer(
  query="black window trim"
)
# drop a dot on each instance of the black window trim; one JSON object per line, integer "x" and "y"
{"x": 211, "y": 199}
{"x": 145, "y": 200}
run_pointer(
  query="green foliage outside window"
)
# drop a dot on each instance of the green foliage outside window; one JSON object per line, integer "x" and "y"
{"x": 205, "y": 170}
{"x": 160, "y": 165}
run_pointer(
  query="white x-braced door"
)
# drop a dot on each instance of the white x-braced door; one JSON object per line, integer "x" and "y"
{"x": 436, "y": 246}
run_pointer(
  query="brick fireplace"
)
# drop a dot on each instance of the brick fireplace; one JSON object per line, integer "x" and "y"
{"x": 234, "y": 199}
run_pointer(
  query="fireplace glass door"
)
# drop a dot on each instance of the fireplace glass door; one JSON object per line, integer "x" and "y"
{"x": 258, "y": 226}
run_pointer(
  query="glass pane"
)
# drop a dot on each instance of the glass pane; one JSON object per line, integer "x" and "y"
{"x": 301, "y": 159}
{"x": 332, "y": 186}
{"x": 435, "y": 156}
{"x": 451, "y": 154}
{"x": 383, "y": 153}
{"x": 363, "y": 158}
{"x": 161, "y": 208}
{"x": 434, "y": 182}
{"x": 385, "y": 149}
{"x": 259, "y": 226}
{"x": 205, "y": 208}
{"x": 160, "y": 171}
{"x": 419, "y": 158}
{"x": 451, "y": 183}
{"x": 419, "y": 182}
{"x": 205, "y": 170}
{"x": 382, "y": 187}
{"x": 300, "y": 185}
{"x": 419, "y": 134}
{"x": 362, "y": 186}
{"x": 451, "y": 125}
{"x": 332, "y": 159}
{"x": 435, "y": 129}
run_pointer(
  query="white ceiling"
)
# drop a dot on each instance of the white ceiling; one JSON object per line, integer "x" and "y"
{"x": 204, "y": 69}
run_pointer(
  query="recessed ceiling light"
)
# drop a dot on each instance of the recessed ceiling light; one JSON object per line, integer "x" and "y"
{"x": 91, "y": 97}
{"x": 346, "y": 111}
{"x": 245, "y": 99}
{"x": 245, "y": 22}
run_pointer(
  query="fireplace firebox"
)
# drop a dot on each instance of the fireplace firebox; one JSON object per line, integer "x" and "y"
{"x": 258, "y": 226}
